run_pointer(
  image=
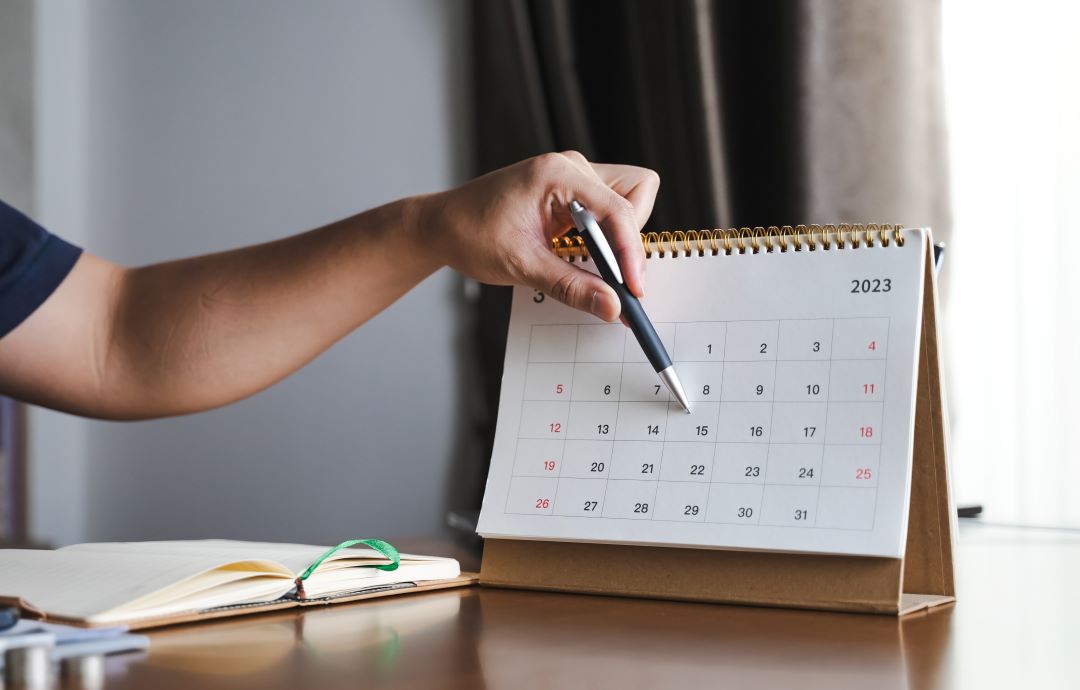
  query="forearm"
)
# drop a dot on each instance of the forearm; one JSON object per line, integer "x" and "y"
{"x": 201, "y": 332}
{"x": 193, "y": 334}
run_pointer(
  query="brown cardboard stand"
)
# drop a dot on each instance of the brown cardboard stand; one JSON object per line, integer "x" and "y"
{"x": 922, "y": 579}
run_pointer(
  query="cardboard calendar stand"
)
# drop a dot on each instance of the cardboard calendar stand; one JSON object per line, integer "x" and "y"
{"x": 922, "y": 579}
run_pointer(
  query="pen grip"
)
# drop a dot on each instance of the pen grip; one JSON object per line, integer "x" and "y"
{"x": 632, "y": 312}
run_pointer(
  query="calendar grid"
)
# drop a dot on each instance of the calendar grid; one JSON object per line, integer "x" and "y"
{"x": 618, "y": 410}
{"x": 772, "y": 419}
{"x": 517, "y": 446}
{"x": 788, "y": 451}
{"x": 660, "y": 465}
{"x": 566, "y": 432}
{"x": 828, "y": 399}
{"x": 712, "y": 474}
{"x": 881, "y": 441}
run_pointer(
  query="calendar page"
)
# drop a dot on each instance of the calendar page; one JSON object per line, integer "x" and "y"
{"x": 800, "y": 367}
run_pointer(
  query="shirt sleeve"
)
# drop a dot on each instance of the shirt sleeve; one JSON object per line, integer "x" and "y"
{"x": 33, "y": 263}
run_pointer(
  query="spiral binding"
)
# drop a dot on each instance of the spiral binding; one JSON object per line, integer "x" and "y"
{"x": 739, "y": 240}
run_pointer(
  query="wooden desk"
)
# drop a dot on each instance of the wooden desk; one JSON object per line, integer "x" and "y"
{"x": 1016, "y": 625}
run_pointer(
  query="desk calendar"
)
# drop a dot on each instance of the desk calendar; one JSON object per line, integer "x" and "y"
{"x": 799, "y": 351}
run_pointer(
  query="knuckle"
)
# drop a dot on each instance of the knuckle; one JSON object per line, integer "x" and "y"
{"x": 517, "y": 265}
{"x": 576, "y": 156}
{"x": 566, "y": 288}
{"x": 623, "y": 207}
{"x": 545, "y": 164}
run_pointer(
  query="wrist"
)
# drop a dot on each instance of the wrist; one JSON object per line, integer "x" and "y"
{"x": 416, "y": 214}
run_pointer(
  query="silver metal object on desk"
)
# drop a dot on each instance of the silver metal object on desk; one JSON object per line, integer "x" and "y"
{"x": 28, "y": 668}
{"x": 86, "y": 672}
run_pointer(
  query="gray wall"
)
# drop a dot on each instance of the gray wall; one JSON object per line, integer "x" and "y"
{"x": 16, "y": 102}
{"x": 213, "y": 125}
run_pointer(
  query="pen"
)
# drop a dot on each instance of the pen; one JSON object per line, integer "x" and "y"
{"x": 632, "y": 312}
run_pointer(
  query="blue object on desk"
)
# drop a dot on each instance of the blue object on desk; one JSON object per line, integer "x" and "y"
{"x": 9, "y": 616}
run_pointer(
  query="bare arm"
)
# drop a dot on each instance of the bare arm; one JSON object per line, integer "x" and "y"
{"x": 189, "y": 335}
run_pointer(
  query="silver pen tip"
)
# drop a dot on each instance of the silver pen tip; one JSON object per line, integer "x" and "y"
{"x": 671, "y": 379}
{"x": 576, "y": 207}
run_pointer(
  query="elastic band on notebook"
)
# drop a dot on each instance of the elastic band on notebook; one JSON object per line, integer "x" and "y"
{"x": 384, "y": 548}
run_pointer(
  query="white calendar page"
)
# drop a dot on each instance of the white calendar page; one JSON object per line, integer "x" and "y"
{"x": 801, "y": 371}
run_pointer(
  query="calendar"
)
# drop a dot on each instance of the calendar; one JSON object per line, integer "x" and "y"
{"x": 800, "y": 366}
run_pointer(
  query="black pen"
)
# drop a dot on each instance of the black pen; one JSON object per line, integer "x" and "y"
{"x": 632, "y": 312}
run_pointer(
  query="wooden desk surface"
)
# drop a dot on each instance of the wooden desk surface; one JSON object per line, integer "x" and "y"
{"x": 1017, "y": 624}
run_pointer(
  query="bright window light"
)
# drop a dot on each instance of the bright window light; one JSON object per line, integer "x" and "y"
{"x": 1012, "y": 281}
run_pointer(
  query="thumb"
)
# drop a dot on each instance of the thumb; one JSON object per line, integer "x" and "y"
{"x": 572, "y": 286}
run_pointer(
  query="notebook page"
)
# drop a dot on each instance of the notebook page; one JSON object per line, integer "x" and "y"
{"x": 295, "y": 557}
{"x": 800, "y": 367}
{"x": 84, "y": 584}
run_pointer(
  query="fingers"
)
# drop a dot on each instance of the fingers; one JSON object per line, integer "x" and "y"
{"x": 577, "y": 159}
{"x": 617, "y": 219}
{"x": 571, "y": 285}
{"x": 569, "y": 176}
{"x": 637, "y": 185}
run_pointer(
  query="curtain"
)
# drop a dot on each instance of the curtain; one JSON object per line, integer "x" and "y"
{"x": 765, "y": 113}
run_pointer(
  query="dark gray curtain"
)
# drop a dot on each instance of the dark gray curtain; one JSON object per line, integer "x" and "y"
{"x": 754, "y": 113}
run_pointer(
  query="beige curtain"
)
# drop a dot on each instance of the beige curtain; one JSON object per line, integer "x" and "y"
{"x": 873, "y": 116}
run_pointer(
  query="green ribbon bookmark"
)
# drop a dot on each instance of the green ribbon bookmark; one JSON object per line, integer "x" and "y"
{"x": 376, "y": 544}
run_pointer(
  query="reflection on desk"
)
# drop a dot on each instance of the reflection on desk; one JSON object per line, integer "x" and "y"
{"x": 318, "y": 650}
{"x": 692, "y": 645}
{"x": 1015, "y": 625}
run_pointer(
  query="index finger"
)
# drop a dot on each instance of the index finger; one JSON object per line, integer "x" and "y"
{"x": 638, "y": 185}
{"x": 618, "y": 220}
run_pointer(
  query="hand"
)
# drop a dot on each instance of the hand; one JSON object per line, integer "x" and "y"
{"x": 498, "y": 228}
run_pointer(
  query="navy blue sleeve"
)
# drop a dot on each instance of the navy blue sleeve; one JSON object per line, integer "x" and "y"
{"x": 33, "y": 263}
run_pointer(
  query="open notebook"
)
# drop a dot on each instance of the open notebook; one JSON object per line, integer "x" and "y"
{"x": 143, "y": 584}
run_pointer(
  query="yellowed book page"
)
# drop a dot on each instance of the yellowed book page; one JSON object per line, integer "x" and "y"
{"x": 90, "y": 585}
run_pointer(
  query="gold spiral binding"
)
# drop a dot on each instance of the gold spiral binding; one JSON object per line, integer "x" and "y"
{"x": 827, "y": 231}
{"x": 788, "y": 231}
{"x": 740, "y": 239}
{"x": 769, "y": 239}
{"x": 678, "y": 239}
